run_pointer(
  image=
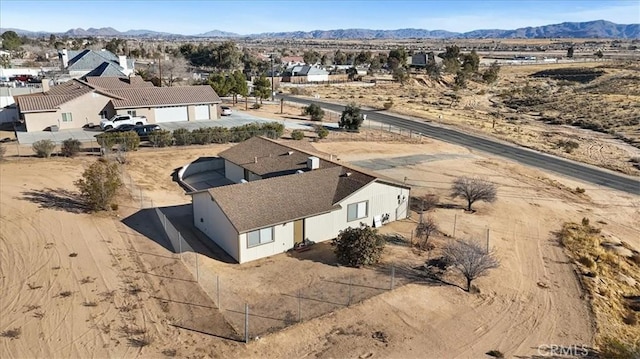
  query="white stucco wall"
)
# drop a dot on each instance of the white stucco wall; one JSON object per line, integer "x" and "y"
{"x": 283, "y": 241}
{"x": 382, "y": 198}
{"x": 84, "y": 109}
{"x": 317, "y": 78}
{"x": 209, "y": 219}
{"x": 233, "y": 172}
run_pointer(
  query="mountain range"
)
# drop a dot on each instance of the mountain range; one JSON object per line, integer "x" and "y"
{"x": 590, "y": 29}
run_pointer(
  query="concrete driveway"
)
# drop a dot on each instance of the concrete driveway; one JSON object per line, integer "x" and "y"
{"x": 237, "y": 118}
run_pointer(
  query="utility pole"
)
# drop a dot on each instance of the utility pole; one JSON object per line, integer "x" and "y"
{"x": 272, "y": 85}
{"x": 160, "y": 69}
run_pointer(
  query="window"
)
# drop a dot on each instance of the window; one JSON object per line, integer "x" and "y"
{"x": 261, "y": 236}
{"x": 66, "y": 117}
{"x": 132, "y": 113}
{"x": 357, "y": 210}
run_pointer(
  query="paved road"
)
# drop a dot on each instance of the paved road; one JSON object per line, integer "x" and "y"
{"x": 524, "y": 156}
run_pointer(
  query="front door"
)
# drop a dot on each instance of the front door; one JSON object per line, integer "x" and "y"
{"x": 298, "y": 231}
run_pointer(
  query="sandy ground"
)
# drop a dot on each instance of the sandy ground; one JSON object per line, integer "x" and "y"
{"x": 139, "y": 289}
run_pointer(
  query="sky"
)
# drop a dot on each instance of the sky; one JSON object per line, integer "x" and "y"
{"x": 192, "y": 17}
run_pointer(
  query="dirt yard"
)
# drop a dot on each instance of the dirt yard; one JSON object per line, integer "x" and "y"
{"x": 80, "y": 285}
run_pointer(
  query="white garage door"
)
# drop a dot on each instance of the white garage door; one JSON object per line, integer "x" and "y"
{"x": 202, "y": 112}
{"x": 171, "y": 114}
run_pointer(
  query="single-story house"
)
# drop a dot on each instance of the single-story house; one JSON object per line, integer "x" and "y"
{"x": 77, "y": 103}
{"x": 284, "y": 195}
{"x": 309, "y": 73}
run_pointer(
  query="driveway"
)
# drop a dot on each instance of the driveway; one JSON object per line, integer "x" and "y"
{"x": 87, "y": 135}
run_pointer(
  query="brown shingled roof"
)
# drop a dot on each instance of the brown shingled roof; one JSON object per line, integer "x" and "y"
{"x": 50, "y": 100}
{"x": 268, "y": 202}
{"x": 268, "y": 159}
{"x": 118, "y": 82}
{"x": 164, "y": 96}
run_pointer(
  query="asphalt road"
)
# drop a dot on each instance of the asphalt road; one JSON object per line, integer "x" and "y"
{"x": 524, "y": 156}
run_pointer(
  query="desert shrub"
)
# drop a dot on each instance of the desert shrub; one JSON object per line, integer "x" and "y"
{"x": 219, "y": 134}
{"x": 635, "y": 160}
{"x": 387, "y": 105}
{"x": 272, "y": 129}
{"x": 351, "y": 117}
{"x": 611, "y": 347}
{"x": 70, "y": 147}
{"x": 579, "y": 190}
{"x": 631, "y": 318}
{"x": 314, "y": 111}
{"x": 322, "y": 132}
{"x": 568, "y": 145}
{"x": 256, "y": 106}
{"x": 358, "y": 246}
{"x": 182, "y": 137}
{"x": 201, "y": 136}
{"x": 107, "y": 141}
{"x": 128, "y": 141}
{"x": 297, "y": 135}
{"x": 43, "y": 148}
{"x": 3, "y": 151}
{"x": 99, "y": 184}
{"x": 587, "y": 262}
{"x": 13, "y": 333}
{"x": 161, "y": 138}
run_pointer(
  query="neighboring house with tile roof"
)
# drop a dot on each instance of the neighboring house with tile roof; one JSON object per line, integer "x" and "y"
{"x": 284, "y": 195}
{"x": 77, "y": 103}
{"x": 94, "y": 63}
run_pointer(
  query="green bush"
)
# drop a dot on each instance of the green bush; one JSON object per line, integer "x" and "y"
{"x": 99, "y": 184}
{"x": 359, "y": 246}
{"x": 297, "y": 135}
{"x": 70, "y": 147}
{"x": 322, "y": 132}
{"x": 256, "y": 106}
{"x": 182, "y": 137}
{"x": 161, "y": 138}
{"x": 128, "y": 141}
{"x": 314, "y": 111}
{"x": 201, "y": 136}
{"x": 219, "y": 134}
{"x": 43, "y": 148}
{"x": 107, "y": 141}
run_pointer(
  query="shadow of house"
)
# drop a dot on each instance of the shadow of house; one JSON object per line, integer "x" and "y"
{"x": 179, "y": 225}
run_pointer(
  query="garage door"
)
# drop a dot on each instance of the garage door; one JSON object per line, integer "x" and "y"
{"x": 171, "y": 114}
{"x": 202, "y": 112}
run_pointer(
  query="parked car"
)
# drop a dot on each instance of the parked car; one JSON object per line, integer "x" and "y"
{"x": 226, "y": 111}
{"x": 120, "y": 120}
{"x": 145, "y": 130}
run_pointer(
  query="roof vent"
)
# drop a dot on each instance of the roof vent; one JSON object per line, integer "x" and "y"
{"x": 243, "y": 181}
{"x": 313, "y": 163}
{"x": 348, "y": 174}
{"x": 255, "y": 160}
{"x": 289, "y": 153}
{"x": 299, "y": 171}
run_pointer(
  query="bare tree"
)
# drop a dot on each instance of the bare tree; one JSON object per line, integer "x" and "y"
{"x": 425, "y": 229}
{"x": 470, "y": 258}
{"x": 473, "y": 190}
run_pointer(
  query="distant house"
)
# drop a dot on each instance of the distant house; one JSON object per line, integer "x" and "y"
{"x": 284, "y": 196}
{"x": 77, "y": 103}
{"x": 288, "y": 61}
{"x": 308, "y": 73}
{"x": 95, "y": 63}
{"x": 420, "y": 60}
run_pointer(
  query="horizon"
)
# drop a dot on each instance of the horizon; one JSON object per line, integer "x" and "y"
{"x": 189, "y": 17}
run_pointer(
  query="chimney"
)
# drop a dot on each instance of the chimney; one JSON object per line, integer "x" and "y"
{"x": 64, "y": 58}
{"x": 45, "y": 85}
{"x": 255, "y": 159}
{"x": 313, "y": 163}
{"x": 122, "y": 61}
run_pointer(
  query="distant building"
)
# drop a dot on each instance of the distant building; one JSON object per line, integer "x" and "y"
{"x": 307, "y": 73}
{"x": 86, "y": 62}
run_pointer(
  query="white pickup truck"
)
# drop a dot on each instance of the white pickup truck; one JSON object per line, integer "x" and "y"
{"x": 119, "y": 120}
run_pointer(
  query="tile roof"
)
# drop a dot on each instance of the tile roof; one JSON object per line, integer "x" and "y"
{"x": 164, "y": 96}
{"x": 50, "y": 100}
{"x": 117, "y": 82}
{"x": 273, "y": 159}
{"x": 268, "y": 202}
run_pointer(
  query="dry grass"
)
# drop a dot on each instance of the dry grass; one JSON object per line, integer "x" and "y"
{"x": 602, "y": 273}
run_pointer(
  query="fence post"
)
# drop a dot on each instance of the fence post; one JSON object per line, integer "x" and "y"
{"x": 487, "y": 240}
{"x": 246, "y": 323}
{"x": 393, "y": 276}
{"x": 218, "y": 291}
{"x": 350, "y": 280}
{"x": 455, "y": 219}
{"x": 299, "y": 312}
{"x": 197, "y": 269}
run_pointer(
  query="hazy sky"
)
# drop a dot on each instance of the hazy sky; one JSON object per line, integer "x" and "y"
{"x": 247, "y": 17}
